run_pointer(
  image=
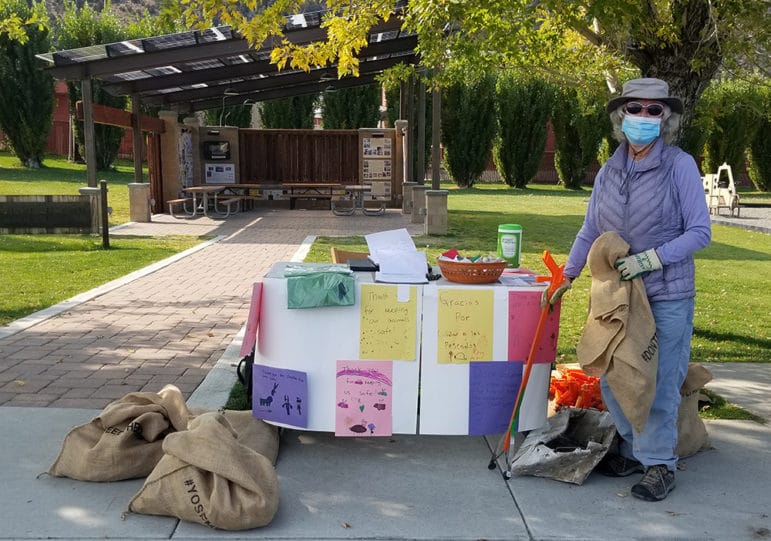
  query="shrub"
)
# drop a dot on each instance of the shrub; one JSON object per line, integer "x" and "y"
{"x": 468, "y": 129}
{"x": 295, "y": 112}
{"x": 523, "y": 109}
{"x": 579, "y": 124}
{"x": 730, "y": 107}
{"x": 26, "y": 91}
{"x": 80, "y": 27}
{"x": 760, "y": 146}
{"x": 351, "y": 108}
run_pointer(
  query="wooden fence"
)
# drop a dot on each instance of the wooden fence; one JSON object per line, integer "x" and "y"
{"x": 298, "y": 156}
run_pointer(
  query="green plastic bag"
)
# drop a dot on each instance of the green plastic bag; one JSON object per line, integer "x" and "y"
{"x": 316, "y": 286}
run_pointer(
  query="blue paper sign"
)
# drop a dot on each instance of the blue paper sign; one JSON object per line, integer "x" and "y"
{"x": 493, "y": 390}
{"x": 280, "y": 395}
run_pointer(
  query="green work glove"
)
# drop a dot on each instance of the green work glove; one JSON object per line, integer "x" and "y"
{"x": 567, "y": 284}
{"x": 635, "y": 265}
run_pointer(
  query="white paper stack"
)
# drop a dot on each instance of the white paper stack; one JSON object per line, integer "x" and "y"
{"x": 399, "y": 261}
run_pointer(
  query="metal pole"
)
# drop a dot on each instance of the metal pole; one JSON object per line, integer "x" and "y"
{"x": 103, "y": 205}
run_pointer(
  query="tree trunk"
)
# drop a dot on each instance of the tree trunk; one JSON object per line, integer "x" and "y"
{"x": 689, "y": 63}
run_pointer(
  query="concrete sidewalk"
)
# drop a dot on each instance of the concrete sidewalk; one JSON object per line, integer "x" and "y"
{"x": 181, "y": 324}
{"x": 403, "y": 487}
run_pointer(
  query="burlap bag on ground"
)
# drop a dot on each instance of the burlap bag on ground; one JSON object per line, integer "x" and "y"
{"x": 691, "y": 433}
{"x": 124, "y": 441}
{"x": 619, "y": 338}
{"x": 255, "y": 433}
{"x": 208, "y": 477}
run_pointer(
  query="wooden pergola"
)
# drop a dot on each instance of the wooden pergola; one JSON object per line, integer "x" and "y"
{"x": 199, "y": 70}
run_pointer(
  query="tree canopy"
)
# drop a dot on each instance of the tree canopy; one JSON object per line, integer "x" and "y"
{"x": 579, "y": 43}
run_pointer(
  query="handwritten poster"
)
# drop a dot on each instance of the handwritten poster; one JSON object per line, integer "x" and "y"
{"x": 363, "y": 398}
{"x": 253, "y": 321}
{"x": 388, "y": 322}
{"x": 524, "y": 311}
{"x": 465, "y": 325}
{"x": 493, "y": 391}
{"x": 280, "y": 395}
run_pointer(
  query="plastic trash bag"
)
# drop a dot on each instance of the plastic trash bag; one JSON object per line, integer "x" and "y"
{"x": 317, "y": 286}
{"x": 568, "y": 447}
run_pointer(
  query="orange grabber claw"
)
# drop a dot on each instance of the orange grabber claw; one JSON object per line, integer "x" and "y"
{"x": 557, "y": 277}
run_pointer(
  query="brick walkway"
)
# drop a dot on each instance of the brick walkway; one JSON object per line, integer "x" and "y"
{"x": 169, "y": 326}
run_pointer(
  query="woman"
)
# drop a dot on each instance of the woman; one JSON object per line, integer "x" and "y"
{"x": 651, "y": 194}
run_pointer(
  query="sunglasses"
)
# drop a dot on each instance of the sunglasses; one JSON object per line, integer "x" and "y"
{"x": 634, "y": 108}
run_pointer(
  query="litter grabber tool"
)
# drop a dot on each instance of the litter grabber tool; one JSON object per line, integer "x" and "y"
{"x": 556, "y": 279}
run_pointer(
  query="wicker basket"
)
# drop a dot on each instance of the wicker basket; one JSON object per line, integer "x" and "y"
{"x": 471, "y": 273}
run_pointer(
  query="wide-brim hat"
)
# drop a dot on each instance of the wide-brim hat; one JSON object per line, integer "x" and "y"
{"x": 646, "y": 88}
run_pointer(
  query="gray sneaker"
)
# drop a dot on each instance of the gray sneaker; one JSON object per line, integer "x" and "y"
{"x": 657, "y": 482}
{"x": 613, "y": 465}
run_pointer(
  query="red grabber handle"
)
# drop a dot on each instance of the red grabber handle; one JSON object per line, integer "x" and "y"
{"x": 557, "y": 277}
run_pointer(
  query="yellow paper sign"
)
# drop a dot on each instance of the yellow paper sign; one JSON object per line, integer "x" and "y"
{"x": 388, "y": 323}
{"x": 465, "y": 328}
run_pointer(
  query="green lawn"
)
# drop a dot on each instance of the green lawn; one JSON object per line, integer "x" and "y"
{"x": 61, "y": 177}
{"x": 37, "y": 271}
{"x": 733, "y": 281}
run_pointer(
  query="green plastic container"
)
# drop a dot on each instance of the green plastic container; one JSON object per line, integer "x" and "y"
{"x": 510, "y": 243}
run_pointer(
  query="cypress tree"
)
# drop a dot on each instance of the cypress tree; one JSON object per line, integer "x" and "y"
{"x": 80, "y": 27}
{"x": 468, "y": 129}
{"x": 26, "y": 90}
{"x": 351, "y": 108}
{"x": 579, "y": 125}
{"x": 523, "y": 108}
{"x": 295, "y": 112}
{"x": 760, "y": 145}
{"x": 731, "y": 110}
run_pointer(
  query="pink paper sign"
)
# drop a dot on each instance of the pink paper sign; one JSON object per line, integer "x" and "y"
{"x": 524, "y": 311}
{"x": 250, "y": 335}
{"x": 363, "y": 398}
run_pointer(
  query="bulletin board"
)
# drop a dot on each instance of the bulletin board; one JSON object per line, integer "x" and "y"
{"x": 376, "y": 159}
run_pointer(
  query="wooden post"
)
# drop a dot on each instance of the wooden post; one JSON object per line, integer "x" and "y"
{"x": 436, "y": 126}
{"x": 88, "y": 131}
{"x": 136, "y": 128}
{"x": 420, "y": 158}
{"x": 409, "y": 155}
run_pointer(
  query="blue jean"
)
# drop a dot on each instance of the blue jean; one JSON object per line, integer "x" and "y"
{"x": 657, "y": 442}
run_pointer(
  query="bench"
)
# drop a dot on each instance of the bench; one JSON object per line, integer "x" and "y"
{"x": 228, "y": 203}
{"x": 295, "y": 196}
{"x": 181, "y": 202}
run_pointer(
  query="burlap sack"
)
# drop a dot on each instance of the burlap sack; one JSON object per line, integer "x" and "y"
{"x": 255, "y": 433}
{"x": 124, "y": 441}
{"x": 208, "y": 477}
{"x": 691, "y": 433}
{"x": 619, "y": 338}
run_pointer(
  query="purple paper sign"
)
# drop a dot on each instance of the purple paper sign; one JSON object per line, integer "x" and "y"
{"x": 280, "y": 395}
{"x": 493, "y": 390}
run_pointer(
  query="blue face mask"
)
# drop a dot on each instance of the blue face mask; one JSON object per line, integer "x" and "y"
{"x": 640, "y": 130}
